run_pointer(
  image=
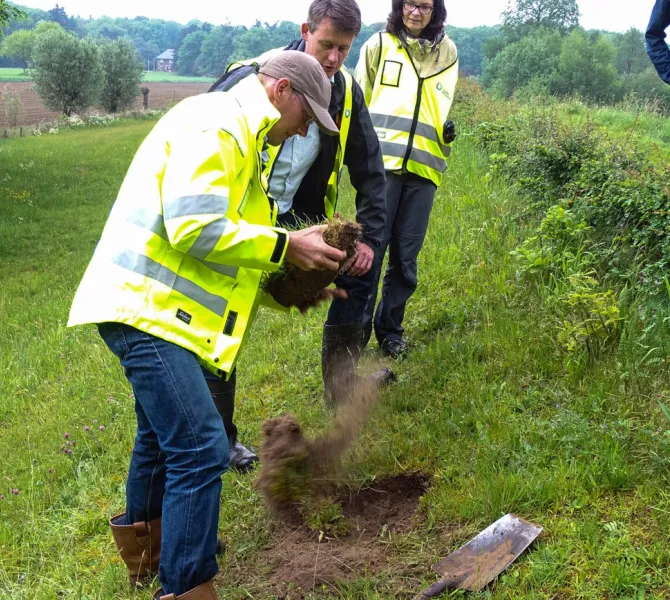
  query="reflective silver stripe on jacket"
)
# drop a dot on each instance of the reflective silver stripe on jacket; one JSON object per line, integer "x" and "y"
{"x": 203, "y": 246}
{"x": 201, "y": 204}
{"x": 143, "y": 265}
{"x": 145, "y": 220}
{"x": 405, "y": 124}
{"x": 421, "y": 156}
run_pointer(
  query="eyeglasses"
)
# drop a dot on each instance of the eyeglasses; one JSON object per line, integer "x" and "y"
{"x": 424, "y": 9}
{"x": 308, "y": 116}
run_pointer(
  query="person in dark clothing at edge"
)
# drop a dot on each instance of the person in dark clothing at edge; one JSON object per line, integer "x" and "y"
{"x": 657, "y": 48}
{"x": 303, "y": 179}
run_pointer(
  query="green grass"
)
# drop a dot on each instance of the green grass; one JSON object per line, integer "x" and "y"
{"x": 8, "y": 74}
{"x": 483, "y": 404}
{"x": 157, "y": 76}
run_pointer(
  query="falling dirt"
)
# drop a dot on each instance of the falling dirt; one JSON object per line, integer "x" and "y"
{"x": 294, "y": 470}
{"x": 300, "y": 560}
{"x": 291, "y": 286}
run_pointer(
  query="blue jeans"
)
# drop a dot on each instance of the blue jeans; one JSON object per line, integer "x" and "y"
{"x": 180, "y": 453}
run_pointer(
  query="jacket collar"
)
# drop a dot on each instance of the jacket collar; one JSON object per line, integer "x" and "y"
{"x": 259, "y": 112}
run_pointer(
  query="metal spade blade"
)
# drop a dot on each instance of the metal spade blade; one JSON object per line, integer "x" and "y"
{"x": 484, "y": 557}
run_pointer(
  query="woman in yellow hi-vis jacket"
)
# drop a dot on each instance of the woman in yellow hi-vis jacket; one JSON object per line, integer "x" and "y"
{"x": 174, "y": 287}
{"x": 408, "y": 74}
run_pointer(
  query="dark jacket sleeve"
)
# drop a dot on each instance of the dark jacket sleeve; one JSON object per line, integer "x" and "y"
{"x": 657, "y": 49}
{"x": 366, "y": 171}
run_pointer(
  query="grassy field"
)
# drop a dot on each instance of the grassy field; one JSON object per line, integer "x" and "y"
{"x": 7, "y": 74}
{"x": 483, "y": 406}
{"x": 157, "y": 76}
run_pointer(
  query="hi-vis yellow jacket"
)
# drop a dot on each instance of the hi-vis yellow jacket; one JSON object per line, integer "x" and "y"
{"x": 192, "y": 230}
{"x": 409, "y": 102}
{"x": 342, "y": 120}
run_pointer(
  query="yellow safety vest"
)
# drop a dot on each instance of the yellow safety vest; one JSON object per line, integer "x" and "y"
{"x": 192, "y": 230}
{"x": 409, "y": 112}
{"x": 343, "y": 123}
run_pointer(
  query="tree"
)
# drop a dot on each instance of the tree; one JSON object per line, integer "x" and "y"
{"x": 631, "y": 55}
{"x": 67, "y": 71}
{"x": 19, "y": 45}
{"x": 123, "y": 72}
{"x": 252, "y": 43}
{"x": 218, "y": 48}
{"x": 471, "y": 43}
{"x": 534, "y": 58}
{"x": 9, "y": 13}
{"x": 59, "y": 15}
{"x": 148, "y": 51}
{"x": 553, "y": 14}
{"x": 189, "y": 51}
{"x": 588, "y": 68}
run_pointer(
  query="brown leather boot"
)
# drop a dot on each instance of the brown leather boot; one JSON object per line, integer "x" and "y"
{"x": 204, "y": 591}
{"x": 139, "y": 545}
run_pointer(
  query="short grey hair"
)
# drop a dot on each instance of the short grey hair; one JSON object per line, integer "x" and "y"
{"x": 345, "y": 15}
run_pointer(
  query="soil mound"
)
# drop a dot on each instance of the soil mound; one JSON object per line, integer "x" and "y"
{"x": 300, "y": 560}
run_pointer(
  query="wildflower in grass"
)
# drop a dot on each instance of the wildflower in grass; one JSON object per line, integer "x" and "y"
{"x": 66, "y": 435}
{"x": 15, "y": 491}
{"x": 86, "y": 428}
{"x": 2, "y": 496}
{"x": 102, "y": 427}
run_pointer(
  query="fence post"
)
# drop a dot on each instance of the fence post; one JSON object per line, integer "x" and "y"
{"x": 21, "y": 132}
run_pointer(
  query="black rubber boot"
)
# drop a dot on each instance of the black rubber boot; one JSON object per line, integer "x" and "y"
{"x": 340, "y": 353}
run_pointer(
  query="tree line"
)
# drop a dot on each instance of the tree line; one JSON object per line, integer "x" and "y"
{"x": 539, "y": 49}
{"x": 542, "y": 50}
{"x": 202, "y": 48}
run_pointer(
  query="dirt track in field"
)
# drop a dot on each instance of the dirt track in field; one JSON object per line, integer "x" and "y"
{"x": 161, "y": 95}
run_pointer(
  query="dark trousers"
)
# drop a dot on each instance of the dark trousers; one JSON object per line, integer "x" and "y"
{"x": 223, "y": 394}
{"x": 409, "y": 201}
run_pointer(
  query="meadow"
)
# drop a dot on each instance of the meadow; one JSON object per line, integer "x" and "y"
{"x": 18, "y": 74}
{"x": 486, "y": 409}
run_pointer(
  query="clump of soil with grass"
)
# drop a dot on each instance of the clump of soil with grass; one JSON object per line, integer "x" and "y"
{"x": 295, "y": 470}
{"x": 291, "y": 286}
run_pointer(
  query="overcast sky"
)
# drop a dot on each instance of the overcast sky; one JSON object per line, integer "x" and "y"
{"x": 613, "y": 15}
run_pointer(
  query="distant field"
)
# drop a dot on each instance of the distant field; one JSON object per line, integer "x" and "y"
{"x": 13, "y": 75}
{"x": 161, "y": 95}
{"x": 149, "y": 77}
{"x": 156, "y": 76}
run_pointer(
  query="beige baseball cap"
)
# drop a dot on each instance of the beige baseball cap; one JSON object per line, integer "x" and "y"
{"x": 308, "y": 78}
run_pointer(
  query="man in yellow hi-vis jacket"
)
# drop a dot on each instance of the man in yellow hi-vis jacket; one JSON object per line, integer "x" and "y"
{"x": 174, "y": 285}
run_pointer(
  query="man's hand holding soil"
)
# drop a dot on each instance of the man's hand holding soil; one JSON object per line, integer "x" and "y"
{"x": 308, "y": 251}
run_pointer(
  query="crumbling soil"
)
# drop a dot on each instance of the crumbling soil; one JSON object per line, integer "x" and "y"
{"x": 291, "y": 286}
{"x": 298, "y": 562}
{"x": 295, "y": 470}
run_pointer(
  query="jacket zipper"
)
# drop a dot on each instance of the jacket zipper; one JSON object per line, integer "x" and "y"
{"x": 415, "y": 122}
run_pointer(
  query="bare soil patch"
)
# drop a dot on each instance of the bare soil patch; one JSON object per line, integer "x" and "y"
{"x": 161, "y": 95}
{"x": 300, "y": 560}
